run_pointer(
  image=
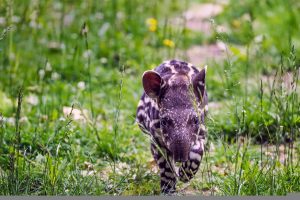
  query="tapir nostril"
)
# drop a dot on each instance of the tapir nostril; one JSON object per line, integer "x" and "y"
{"x": 180, "y": 158}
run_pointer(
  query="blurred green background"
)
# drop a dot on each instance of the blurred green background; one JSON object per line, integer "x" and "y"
{"x": 70, "y": 81}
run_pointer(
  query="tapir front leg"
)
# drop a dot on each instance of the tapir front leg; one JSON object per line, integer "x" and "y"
{"x": 167, "y": 172}
{"x": 189, "y": 168}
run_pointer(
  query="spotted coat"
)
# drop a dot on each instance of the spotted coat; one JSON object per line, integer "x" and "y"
{"x": 172, "y": 111}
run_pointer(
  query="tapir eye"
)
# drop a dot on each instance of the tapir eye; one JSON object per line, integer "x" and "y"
{"x": 164, "y": 121}
{"x": 196, "y": 120}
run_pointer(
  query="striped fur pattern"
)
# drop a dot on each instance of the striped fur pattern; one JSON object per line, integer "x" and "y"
{"x": 172, "y": 110}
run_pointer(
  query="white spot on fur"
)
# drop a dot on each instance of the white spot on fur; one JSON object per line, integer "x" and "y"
{"x": 194, "y": 165}
{"x": 195, "y": 156}
{"x": 202, "y": 127}
{"x": 141, "y": 103}
{"x": 169, "y": 174}
{"x": 151, "y": 101}
{"x": 141, "y": 113}
{"x": 173, "y": 69}
{"x": 192, "y": 72}
{"x": 196, "y": 146}
{"x": 147, "y": 99}
{"x": 154, "y": 121}
{"x": 188, "y": 163}
{"x": 165, "y": 179}
{"x": 161, "y": 160}
{"x": 190, "y": 65}
{"x": 167, "y": 63}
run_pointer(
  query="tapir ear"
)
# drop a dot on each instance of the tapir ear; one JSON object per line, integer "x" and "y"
{"x": 152, "y": 83}
{"x": 199, "y": 83}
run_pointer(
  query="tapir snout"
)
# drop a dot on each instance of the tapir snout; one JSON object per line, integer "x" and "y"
{"x": 180, "y": 149}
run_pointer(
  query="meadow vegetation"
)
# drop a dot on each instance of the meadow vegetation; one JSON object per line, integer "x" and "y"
{"x": 70, "y": 81}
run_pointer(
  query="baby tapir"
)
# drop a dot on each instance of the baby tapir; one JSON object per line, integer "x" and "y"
{"x": 172, "y": 111}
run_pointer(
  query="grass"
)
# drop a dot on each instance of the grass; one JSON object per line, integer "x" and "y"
{"x": 70, "y": 83}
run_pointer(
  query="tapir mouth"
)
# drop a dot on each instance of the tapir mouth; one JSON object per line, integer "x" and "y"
{"x": 180, "y": 151}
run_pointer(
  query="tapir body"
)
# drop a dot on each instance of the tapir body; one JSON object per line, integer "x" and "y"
{"x": 172, "y": 110}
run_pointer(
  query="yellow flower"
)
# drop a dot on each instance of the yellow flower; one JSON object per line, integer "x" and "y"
{"x": 169, "y": 43}
{"x": 152, "y": 24}
{"x": 236, "y": 23}
{"x": 152, "y": 28}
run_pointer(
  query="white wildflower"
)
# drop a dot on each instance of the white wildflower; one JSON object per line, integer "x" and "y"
{"x": 15, "y": 19}
{"x": 103, "y": 29}
{"x": 85, "y": 30}
{"x": 99, "y": 15}
{"x": 11, "y": 120}
{"x": 33, "y": 24}
{"x": 87, "y": 172}
{"x": 259, "y": 38}
{"x": 120, "y": 15}
{"x": 87, "y": 53}
{"x": 41, "y": 73}
{"x": 32, "y": 99}
{"x": 62, "y": 119}
{"x": 23, "y": 119}
{"x": 48, "y": 66}
{"x": 81, "y": 85}
{"x": 68, "y": 19}
{"x": 40, "y": 158}
{"x": 55, "y": 46}
{"x": 2, "y": 21}
{"x": 76, "y": 114}
{"x": 103, "y": 60}
{"x": 55, "y": 76}
{"x": 221, "y": 45}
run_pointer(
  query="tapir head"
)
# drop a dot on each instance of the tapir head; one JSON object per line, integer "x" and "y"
{"x": 179, "y": 100}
